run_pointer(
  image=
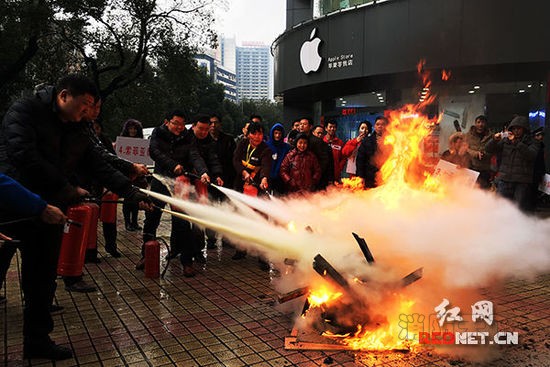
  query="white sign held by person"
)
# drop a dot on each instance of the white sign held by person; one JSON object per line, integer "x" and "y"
{"x": 545, "y": 184}
{"x": 448, "y": 170}
{"x": 135, "y": 150}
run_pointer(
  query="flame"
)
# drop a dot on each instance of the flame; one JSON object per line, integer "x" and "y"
{"x": 322, "y": 296}
{"x": 353, "y": 183}
{"x": 389, "y": 336}
{"x": 445, "y": 75}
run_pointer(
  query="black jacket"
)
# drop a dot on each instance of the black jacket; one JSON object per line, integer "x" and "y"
{"x": 366, "y": 166}
{"x": 169, "y": 150}
{"x": 225, "y": 147}
{"x": 207, "y": 150}
{"x": 46, "y": 154}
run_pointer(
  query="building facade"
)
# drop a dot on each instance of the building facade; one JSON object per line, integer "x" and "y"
{"x": 254, "y": 72}
{"x": 353, "y": 60}
{"x": 219, "y": 74}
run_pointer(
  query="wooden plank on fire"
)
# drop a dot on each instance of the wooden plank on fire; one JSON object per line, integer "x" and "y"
{"x": 292, "y": 295}
{"x": 324, "y": 269}
{"x": 412, "y": 277}
{"x": 364, "y": 248}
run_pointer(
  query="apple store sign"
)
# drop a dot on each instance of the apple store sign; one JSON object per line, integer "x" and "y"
{"x": 309, "y": 54}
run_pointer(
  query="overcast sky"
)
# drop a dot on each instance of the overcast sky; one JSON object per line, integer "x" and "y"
{"x": 253, "y": 20}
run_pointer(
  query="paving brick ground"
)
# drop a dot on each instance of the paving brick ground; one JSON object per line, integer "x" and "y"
{"x": 226, "y": 316}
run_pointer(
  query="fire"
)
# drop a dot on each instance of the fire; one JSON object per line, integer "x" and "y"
{"x": 353, "y": 183}
{"x": 291, "y": 226}
{"x": 445, "y": 75}
{"x": 322, "y": 296}
{"x": 404, "y": 167}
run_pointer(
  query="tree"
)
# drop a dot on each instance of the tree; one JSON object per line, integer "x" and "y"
{"x": 132, "y": 33}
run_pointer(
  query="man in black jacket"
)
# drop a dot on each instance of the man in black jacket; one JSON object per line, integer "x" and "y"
{"x": 44, "y": 145}
{"x": 321, "y": 150}
{"x": 174, "y": 152}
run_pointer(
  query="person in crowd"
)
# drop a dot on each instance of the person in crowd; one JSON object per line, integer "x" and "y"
{"x": 206, "y": 147}
{"x": 291, "y": 138}
{"x": 280, "y": 149}
{"x": 172, "y": 149}
{"x": 476, "y": 139}
{"x": 300, "y": 170}
{"x": 368, "y": 162}
{"x": 458, "y": 151}
{"x": 318, "y": 131}
{"x": 349, "y": 151}
{"x": 244, "y": 134}
{"x": 44, "y": 144}
{"x": 540, "y": 165}
{"x": 321, "y": 150}
{"x": 225, "y": 146}
{"x": 336, "y": 144}
{"x": 135, "y": 171}
{"x": 17, "y": 202}
{"x": 295, "y": 128}
{"x": 252, "y": 162}
{"x": 131, "y": 129}
{"x": 519, "y": 152}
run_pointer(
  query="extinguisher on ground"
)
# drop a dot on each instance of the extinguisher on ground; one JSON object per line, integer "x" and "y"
{"x": 152, "y": 258}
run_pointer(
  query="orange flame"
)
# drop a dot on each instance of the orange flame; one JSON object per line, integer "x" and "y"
{"x": 322, "y": 296}
{"x": 391, "y": 336}
{"x": 353, "y": 183}
{"x": 445, "y": 75}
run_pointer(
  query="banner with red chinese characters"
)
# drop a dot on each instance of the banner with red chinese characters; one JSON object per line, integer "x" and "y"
{"x": 133, "y": 149}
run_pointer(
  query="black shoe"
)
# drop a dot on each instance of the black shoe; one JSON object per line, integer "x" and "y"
{"x": 211, "y": 244}
{"x": 136, "y": 227}
{"x": 264, "y": 265}
{"x": 141, "y": 264}
{"x": 239, "y": 255}
{"x": 129, "y": 228}
{"x": 47, "y": 350}
{"x": 114, "y": 252}
{"x": 56, "y": 310}
{"x": 81, "y": 287}
{"x": 3, "y": 300}
{"x": 189, "y": 271}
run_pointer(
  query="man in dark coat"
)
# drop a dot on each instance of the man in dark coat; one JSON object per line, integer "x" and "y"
{"x": 174, "y": 152}
{"x": 519, "y": 152}
{"x": 368, "y": 161}
{"x": 44, "y": 145}
{"x": 322, "y": 151}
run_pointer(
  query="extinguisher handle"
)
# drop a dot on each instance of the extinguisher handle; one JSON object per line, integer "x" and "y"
{"x": 74, "y": 223}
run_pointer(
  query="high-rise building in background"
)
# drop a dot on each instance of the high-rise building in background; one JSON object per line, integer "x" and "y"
{"x": 254, "y": 71}
{"x": 226, "y": 53}
{"x": 219, "y": 73}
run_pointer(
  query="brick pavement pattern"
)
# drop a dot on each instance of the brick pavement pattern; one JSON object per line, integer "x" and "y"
{"x": 226, "y": 316}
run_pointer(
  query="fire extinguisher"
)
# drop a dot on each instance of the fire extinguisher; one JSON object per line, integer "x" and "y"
{"x": 74, "y": 241}
{"x": 202, "y": 191}
{"x": 92, "y": 238}
{"x": 181, "y": 187}
{"x": 250, "y": 190}
{"x": 152, "y": 259}
{"x": 108, "y": 207}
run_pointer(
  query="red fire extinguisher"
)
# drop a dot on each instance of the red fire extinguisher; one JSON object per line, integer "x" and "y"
{"x": 152, "y": 259}
{"x": 202, "y": 191}
{"x": 75, "y": 241}
{"x": 182, "y": 187}
{"x": 108, "y": 208}
{"x": 250, "y": 190}
{"x": 92, "y": 237}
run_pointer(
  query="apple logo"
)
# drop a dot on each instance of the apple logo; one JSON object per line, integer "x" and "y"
{"x": 309, "y": 54}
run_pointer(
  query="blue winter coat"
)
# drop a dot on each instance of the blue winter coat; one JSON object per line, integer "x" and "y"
{"x": 279, "y": 148}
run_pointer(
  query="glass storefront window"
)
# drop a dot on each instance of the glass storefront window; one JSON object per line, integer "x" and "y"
{"x": 323, "y": 7}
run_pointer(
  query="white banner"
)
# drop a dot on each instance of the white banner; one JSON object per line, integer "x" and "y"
{"x": 545, "y": 184}
{"x": 448, "y": 170}
{"x": 135, "y": 150}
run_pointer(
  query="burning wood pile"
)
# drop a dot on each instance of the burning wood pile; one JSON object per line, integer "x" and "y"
{"x": 344, "y": 313}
